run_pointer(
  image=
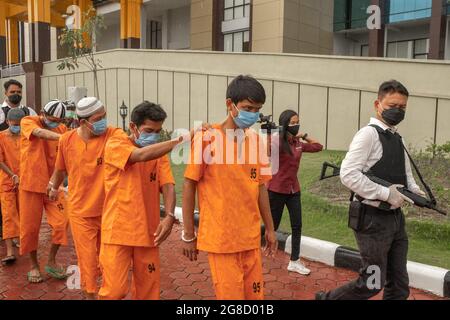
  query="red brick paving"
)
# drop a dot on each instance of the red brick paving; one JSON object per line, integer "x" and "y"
{"x": 180, "y": 278}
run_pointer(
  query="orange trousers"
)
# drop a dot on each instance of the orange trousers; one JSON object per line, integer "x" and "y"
{"x": 32, "y": 205}
{"x": 237, "y": 276}
{"x": 10, "y": 214}
{"x": 86, "y": 237}
{"x": 115, "y": 263}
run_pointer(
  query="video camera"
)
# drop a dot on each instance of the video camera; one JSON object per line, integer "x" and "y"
{"x": 267, "y": 123}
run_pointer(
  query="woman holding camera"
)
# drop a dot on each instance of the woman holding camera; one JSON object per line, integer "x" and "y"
{"x": 284, "y": 188}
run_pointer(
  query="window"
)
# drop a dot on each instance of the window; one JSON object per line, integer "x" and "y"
{"x": 350, "y": 14}
{"x": 365, "y": 50}
{"x": 409, "y": 49}
{"x": 402, "y": 10}
{"x": 236, "y": 9}
{"x": 154, "y": 36}
{"x": 237, "y": 41}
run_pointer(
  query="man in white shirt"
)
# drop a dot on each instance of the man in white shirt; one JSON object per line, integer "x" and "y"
{"x": 13, "y": 97}
{"x": 380, "y": 234}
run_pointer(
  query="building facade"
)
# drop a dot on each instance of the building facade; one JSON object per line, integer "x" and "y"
{"x": 415, "y": 29}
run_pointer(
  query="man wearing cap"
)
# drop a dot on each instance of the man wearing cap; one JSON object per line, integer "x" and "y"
{"x": 38, "y": 149}
{"x": 9, "y": 181}
{"x": 81, "y": 157}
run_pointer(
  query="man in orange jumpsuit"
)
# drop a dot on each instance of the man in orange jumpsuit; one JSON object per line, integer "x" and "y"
{"x": 232, "y": 196}
{"x": 136, "y": 171}
{"x": 81, "y": 157}
{"x": 38, "y": 149}
{"x": 9, "y": 181}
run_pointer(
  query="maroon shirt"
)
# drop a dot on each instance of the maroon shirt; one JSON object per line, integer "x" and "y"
{"x": 286, "y": 181}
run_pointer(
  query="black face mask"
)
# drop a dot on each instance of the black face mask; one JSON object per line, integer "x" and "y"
{"x": 293, "y": 129}
{"x": 393, "y": 116}
{"x": 15, "y": 99}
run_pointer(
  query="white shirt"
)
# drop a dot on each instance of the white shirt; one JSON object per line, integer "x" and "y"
{"x": 365, "y": 151}
{"x": 5, "y": 104}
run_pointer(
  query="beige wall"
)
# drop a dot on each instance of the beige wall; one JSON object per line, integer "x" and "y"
{"x": 335, "y": 95}
{"x": 293, "y": 26}
{"x": 201, "y": 24}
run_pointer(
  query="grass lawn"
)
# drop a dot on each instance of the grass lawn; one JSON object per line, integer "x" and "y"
{"x": 429, "y": 240}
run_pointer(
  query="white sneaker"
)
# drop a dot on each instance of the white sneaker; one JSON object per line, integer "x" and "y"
{"x": 297, "y": 266}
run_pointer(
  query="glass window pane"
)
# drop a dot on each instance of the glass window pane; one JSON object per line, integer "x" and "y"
{"x": 239, "y": 12}
{"x": 420, "y": 46}
{"x": 403, "y": 49}
{"x": 246, "y": 36}
{"x": 365, "y": 51}
{"x": 237, "y": 41}
{"x": 228, "y": 3}
{"x": 391, "y": 50}
{"x": 228, "y": 14}
{"x": 228, "y": 42}
{"x": 421, "y": 56}
{"x": 247, "y": 11}
{"x": 238, "y": 2}
{"x": 247, "y": 1}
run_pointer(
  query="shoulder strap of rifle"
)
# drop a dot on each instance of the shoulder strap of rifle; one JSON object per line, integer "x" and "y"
{"x": 427, "y": 188}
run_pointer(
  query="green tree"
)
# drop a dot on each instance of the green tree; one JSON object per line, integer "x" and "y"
{"x": 81, "y": 45}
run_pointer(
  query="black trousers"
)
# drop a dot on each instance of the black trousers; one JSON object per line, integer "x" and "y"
{"x": 383, "y": 244}
{"x": 294, "y": 205}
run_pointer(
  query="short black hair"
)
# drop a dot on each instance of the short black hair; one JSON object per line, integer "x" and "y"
{"x": 246, "y": 88}
{"x": 390, "y": 87}
{"x": 147, "y": 111}
{"x": 11, "y": 82}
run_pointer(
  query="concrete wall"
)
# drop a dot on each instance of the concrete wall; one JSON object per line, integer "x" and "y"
{"x": 293, "y": 26}
{"x": 201, "y": 24}
{"x": 334, "y": 95}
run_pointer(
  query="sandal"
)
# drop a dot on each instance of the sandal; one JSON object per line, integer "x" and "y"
{"x": 34, "y": 278}
{"x": 9, "y": 260}
{"x": 57, "y": 273}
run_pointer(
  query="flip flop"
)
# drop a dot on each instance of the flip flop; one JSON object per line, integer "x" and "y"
{"x": 34, "y": 279}
{"x": 9, "y": 260}
{"x": 57, "y": 273}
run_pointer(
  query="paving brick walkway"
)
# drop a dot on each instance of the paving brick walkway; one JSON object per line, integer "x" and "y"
{"x": 180, "y": 278}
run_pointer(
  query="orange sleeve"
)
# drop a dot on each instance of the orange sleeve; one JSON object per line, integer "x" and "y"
{"x": 60, "y": 163}
{"x": 118, "y": 150}
{"x": 27, "y": 125}
{"x": 165, "y": 171}
{"x": 196, "y": 166}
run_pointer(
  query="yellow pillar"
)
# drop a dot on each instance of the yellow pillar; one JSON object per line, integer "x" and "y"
{"x": 39, "y": 18}
{"x": 130, "y": 23}
{"x": 2, "y": 34}
{"x": 13, "y": 40}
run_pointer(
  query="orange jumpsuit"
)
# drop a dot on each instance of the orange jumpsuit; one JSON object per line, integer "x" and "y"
{"x": 37, "y": 161}
{"x": 230, "y": 224}
{"x": 9, "y": 155}
{"x": 84, "y": 163}
{"x": 130, "y": 217}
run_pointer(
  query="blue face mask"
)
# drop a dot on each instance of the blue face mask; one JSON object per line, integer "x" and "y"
{"x": 51, "y": 124}
{"x": 99, "y": 127}
{"x": 147, "y": 139}
{"x": 245, "y": 119}
{"x": 15, "y": 129}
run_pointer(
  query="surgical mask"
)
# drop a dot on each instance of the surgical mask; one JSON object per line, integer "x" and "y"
{"x": 99, "y": 127}
{"x": 50, "y": 124}
{"x": 70, "y": 115}
{"x": 393, "y": 116}
{"x": 293, "y": 129}
{"x": 146, "y": 139}
{"x": 245, "y": 119}
{"x": 15, "y": 129}
{"x": 15, "y": 99}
